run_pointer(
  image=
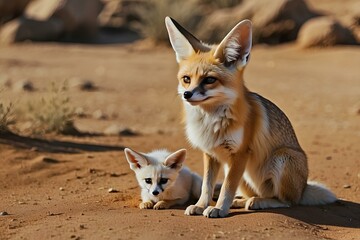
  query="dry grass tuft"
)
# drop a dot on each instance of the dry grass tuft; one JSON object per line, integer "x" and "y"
{"x": 6, "y": 116}
{"x": 53, "y": 114}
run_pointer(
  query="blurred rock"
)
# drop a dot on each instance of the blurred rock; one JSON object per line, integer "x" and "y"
{"x": 324, "y": 32}
{"x": 119, "y": 13}
{"x": 83, "y": 84}
{"x": 22, "y": 29}
{"x": 10, "y": 9}
{"x": 100, "y": 115}
{"x": 79, "y": 16}
{"x": 42, "y": 10}
{"x": 116, "y": 130}
{"x": 46, "y": 20}
{"x": 113, "y": 130}
{"x": 80, "y": 112}
{"x": 24, "y": 85}
{"x": 274, "y": 21}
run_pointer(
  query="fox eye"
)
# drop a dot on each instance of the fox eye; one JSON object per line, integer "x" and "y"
{"x": 186, "y": 79}
{"x": 148, "y": 180}
{"x": 209, "y": 80}
{"x": 163, "y": 180}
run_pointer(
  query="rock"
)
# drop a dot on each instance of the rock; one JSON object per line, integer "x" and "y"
{"x": 22, "y": 29}
{"x": 113, "y": 130}
{"x": 3, "y": 214}
{"x": 346, "y": 186}
{"x": 128, "y": 133}
{"x": 274, "y": 21}
{"x": 24, "y": 85}
{"x": 324, "y": 32}
{"x": 11, "y": 9}
{"x": 98, "y": 114}
{"x": 79, "y": 16}
{"x": 42, "y": 10}
{"x": 116, "y": 130}
{"x": 83, "y": 84}
{"x": 112, "y": 190}
{"x": 72, "y": 18}
{"x": 80, "y": 112}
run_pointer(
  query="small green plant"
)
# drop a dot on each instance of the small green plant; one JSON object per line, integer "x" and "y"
{"x": 53, "y": 114}
{"x": 153, "y": 13}
{"x": 6, "y": 117}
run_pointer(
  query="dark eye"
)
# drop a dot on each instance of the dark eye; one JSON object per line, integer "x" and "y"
{"x": 148, "y": 180}
{"x": 209, "y": 80}
{"x": 163, "y": 180}
{"x": 186, "y": 79}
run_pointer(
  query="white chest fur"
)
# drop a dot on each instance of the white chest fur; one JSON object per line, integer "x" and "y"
{"x": 210, "y": 131}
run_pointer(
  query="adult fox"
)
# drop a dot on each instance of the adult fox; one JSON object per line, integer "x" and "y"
{"x": 239, "y": 129}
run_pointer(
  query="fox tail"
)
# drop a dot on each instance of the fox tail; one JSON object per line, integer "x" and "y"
{"x": 317, "y": 194}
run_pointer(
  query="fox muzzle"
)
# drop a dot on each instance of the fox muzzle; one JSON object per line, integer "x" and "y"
{"x": 188, "y": 94}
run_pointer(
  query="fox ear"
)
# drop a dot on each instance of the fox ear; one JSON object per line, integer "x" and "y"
{"x": 176, "y": 159}
{"x": 135, "y": 159}
{"x": 183, "y": 42}
{"x": 235, "y": 47}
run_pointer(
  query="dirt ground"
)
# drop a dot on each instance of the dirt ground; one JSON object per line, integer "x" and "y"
{"x": 57, "y": 187}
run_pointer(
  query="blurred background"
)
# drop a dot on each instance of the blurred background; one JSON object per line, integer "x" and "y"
{"x": 91, "y": 55}
{"x": 109, "y": 21}
{"x": 82, "y": 79}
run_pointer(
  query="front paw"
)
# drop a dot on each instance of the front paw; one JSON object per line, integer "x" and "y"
{"x": 146, "y": 205}
{"x": 212, "y": 212}
{"x": 194, "y": 210}
{"x": 161, "y": 205}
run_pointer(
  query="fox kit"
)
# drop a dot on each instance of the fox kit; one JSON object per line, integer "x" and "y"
{"x": 163, "y": 180}
{"x": 239, "y": 129}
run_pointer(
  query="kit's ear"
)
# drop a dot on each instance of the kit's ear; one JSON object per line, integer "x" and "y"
{"x": 176, "y": 159}
{"x": 182, "y": 41}
{"x": 235, "y": 47}
{"x": 136, "y": 160}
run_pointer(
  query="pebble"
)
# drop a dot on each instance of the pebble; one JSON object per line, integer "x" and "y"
{"x": 346, "y": 186}
{"x": 23, "y": 85}
{"x": 3, "y": 213}
{"x": 112, "y": 190}
{"x": 116, "y": 130}
{"x": 128, "y": 133}
{"x": 99, "y": 115}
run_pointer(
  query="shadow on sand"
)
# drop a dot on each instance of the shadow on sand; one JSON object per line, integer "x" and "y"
{"x": 340, "y": 214}
{"x": 55, "y": 146}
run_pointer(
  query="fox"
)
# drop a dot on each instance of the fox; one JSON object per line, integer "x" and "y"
{"x": 163, "y": 179}
{"x": 239, "y": 130}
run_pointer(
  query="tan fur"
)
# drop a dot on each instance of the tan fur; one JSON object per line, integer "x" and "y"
{"x": 256, "y": 140}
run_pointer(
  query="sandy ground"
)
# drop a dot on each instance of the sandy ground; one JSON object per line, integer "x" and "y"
{"x": 57, "y": 187}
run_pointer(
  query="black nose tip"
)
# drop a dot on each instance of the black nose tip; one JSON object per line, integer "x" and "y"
{"x": 155, "y": 193}
{"x": 188, "y": 94}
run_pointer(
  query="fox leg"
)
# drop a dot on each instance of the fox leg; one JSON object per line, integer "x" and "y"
{"x": 228, "y": 189}
{"x": 286, "y": 175}
{"x": 165, "y": 204}
{"x": 245, "y": 192}
{"x": 211, "y": 170}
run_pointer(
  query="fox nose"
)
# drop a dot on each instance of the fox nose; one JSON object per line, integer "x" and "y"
{"x": 188, "y": 94}
{"x": 155, "y": 193}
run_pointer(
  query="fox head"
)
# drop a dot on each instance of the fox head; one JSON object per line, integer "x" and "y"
{"x": 210, "y": 75}
{"x": 155, "y": 171}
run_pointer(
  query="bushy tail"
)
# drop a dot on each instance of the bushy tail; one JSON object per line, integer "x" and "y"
{"x": 317, "y": 194}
